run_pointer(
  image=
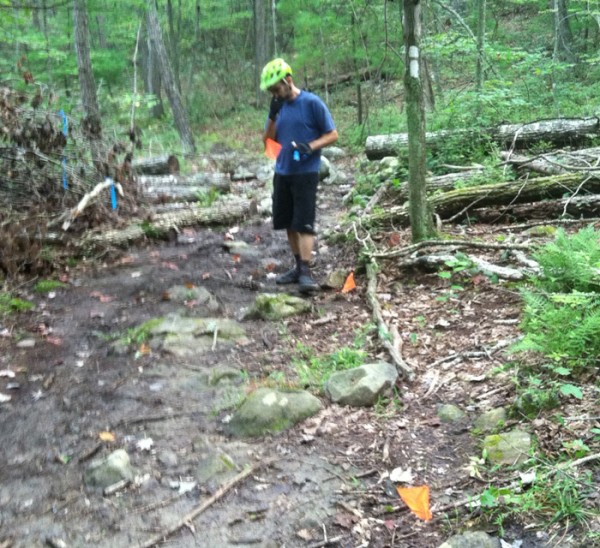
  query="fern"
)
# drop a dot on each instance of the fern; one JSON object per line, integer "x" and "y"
{"x": 562, "y": 326}
{"x": 571, "y": 262}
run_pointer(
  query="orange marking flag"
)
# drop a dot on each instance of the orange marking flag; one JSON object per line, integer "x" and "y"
{"x": 272, "y": 149}
{"x": 349, "y": 284}
{"x": 417, "y": 499}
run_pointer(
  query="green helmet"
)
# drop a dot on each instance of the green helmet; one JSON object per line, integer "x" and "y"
{"x": 274, "y": 71}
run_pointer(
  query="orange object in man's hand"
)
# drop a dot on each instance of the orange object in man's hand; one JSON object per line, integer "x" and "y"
{"x": 272, "y": 149}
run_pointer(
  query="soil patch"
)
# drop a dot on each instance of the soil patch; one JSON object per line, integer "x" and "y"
{"x": 324, "y": 479}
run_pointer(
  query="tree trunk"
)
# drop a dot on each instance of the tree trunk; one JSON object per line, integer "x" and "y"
{"x": 480, "y": 43}
{"x": 563, "y": 37}
{"x": 168, "y": 80}
{"x": 560, "y": 131}
{"x": 91, "y": 124}
{"x": 152, "y": 78}
{"x": 173, "y": 44}
{"x": 420, "y": 218}
{"x": 261, "y": 45}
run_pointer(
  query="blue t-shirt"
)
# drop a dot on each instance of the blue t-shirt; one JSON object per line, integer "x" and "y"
{"x": 302, "y": 120}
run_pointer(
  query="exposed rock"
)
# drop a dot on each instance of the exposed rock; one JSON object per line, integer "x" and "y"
{"x": 362, "y": 385}
{"x": 491, "y": 420}
{"x": 277, "y": 306}
{"x": 102, "y": 473}
{"x": 336, "y": 279}
{"x": 471, "y": 539}
{"x": 333, "y": 153}
{"x": 325, "y": 169}
{"x": 243, "y": 249}
{"x": 203, "y": 298}
{"x": 507, "y": 448}
{"x": 450, "y": 413}
{"x": 186, "y": 337}
{"x": 267, "y": 410}
{"x": 388, "y": 168}
{"x": 168, "y": 458}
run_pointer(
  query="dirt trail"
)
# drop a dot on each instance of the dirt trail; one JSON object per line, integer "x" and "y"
{"x": 322, "y": 480}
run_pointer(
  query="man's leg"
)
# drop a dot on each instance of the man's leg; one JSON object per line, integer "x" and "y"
{"x": 306, "y": 243}
{"x": 292, "y": 275}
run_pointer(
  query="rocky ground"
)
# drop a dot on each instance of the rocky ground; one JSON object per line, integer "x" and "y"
{"x": 144, "y": 358}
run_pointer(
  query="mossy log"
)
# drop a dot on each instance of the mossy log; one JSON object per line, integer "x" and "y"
{"x": 461, "y": 201}
{"x": 561, "y": 131}
{"x": 164, "y": 164}
{"x": 164, "y": 224}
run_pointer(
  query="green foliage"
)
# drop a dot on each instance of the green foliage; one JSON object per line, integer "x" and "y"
{"x": 208, "y": 197}
{"x": 562, "y": 326}
{"x": 571, "y": 263}
{"x": 561, "y": 316}
{"x": 45, "y": 286}
{"x": 140, "y": 334}
{"x": 314, "y": 370}
{"x": 554, "y": 496}
{"x": 10, "y": 304}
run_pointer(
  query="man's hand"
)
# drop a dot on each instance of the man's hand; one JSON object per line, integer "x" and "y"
{"x": 304, "y": 149}
{"x": 275, "y": 107}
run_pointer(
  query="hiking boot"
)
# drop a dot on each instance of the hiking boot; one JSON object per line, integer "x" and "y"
{"x": 290, "y": 277}
{"x": 307, "y": 284}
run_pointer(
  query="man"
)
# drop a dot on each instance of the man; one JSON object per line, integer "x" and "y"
{"x": 301, "y": 123}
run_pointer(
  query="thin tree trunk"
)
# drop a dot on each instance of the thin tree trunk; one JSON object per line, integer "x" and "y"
{"x": 481, "y": 4}
{"x": 421, "y": 220}
{"x": 261, "y": 46}
{"x": 92, "y": 124}
{"x": 168, "y": 80}
{"x": 173, "y": 44}
{"x": 152, "y": 78}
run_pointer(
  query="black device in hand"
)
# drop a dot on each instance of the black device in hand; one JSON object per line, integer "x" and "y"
{"x": 275, "y": 107}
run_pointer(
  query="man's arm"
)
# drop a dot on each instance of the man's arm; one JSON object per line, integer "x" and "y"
{"x": 325, "y": 140}
{"x": 269, "y": 132}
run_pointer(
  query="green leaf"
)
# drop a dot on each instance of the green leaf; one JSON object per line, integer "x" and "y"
{"x": 562, "y": 371}
{"x": 571, "y": 390}
{"x": 445, "y": 275}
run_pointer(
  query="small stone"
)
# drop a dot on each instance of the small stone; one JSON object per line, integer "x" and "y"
{"x": 491, "y": 420}
{"x": 450, "y": 413}
{"x": 26, "y": 343}
{"x": 508, "y": 448}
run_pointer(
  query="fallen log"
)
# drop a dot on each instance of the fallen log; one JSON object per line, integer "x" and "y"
{"x": 456, "y": 204}
{"x": 560, "y": 132}
{"x": 164, "y": 224}
{"x": 177, "y": 188}
{"x": 577, "y": 208}
{"x": 555, "y": 163}
{"x": 164, "y": 164}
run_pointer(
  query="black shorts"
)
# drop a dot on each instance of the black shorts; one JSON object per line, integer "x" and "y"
{"x": 295, "y": 202}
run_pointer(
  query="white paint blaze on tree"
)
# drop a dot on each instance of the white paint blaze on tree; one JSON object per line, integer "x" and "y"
{"x": 421, "y": 220}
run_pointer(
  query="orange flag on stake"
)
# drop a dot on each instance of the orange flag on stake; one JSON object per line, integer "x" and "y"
{"x": 349, "y": 284}
{"x": 272, "y": 149}
{"x": 417, "y": 499}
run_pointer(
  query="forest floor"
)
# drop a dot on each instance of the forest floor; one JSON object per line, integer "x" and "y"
{"x": 321, "y": 483}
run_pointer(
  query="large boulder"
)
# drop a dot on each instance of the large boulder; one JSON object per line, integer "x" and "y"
{"x": 267, "y": 410}
{"x": 361, "y": 386}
